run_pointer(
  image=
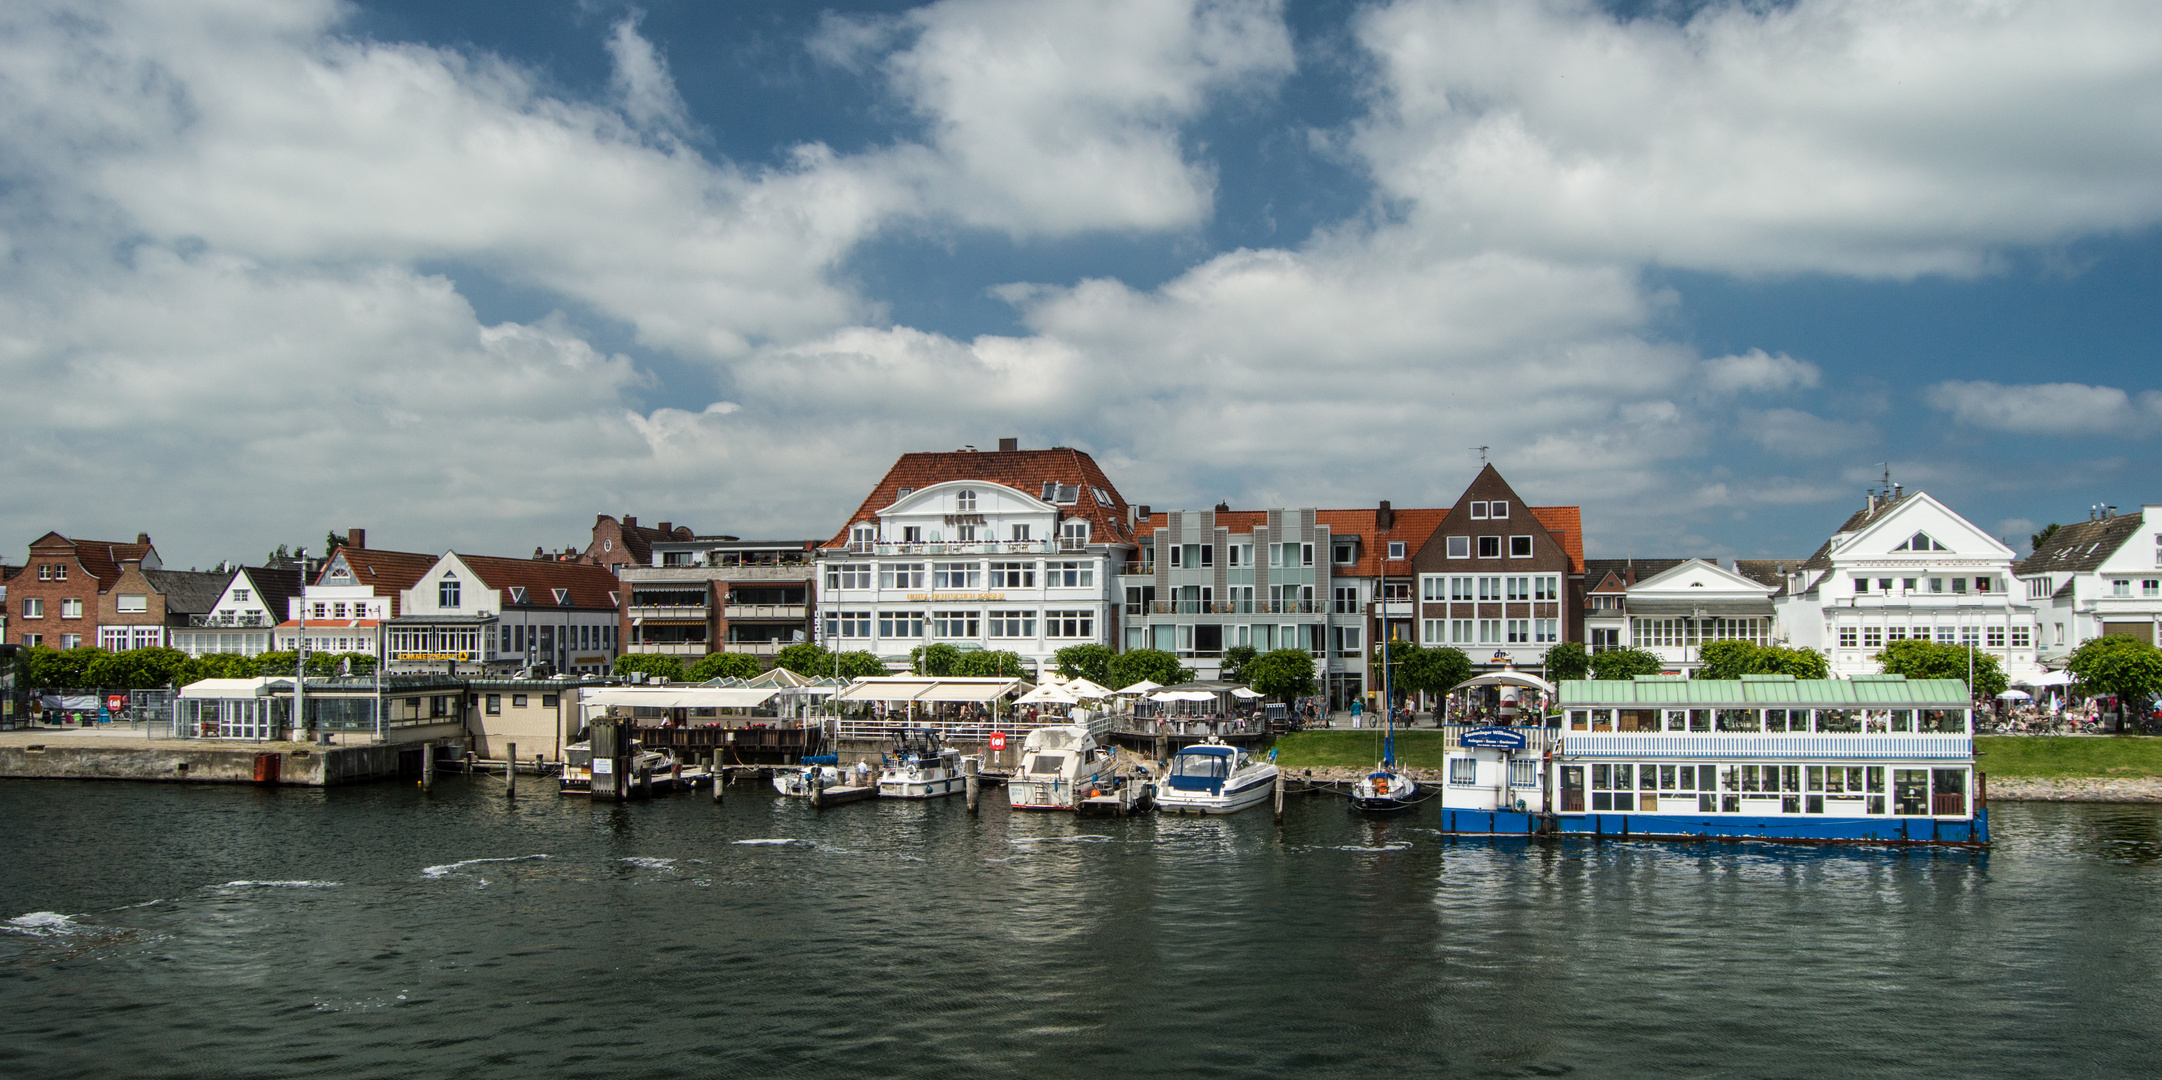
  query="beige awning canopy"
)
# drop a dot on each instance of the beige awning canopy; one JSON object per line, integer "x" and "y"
{"x": 679, "y": 697}
{"x": 233, "y": 688}
{"x": 904, "y": 688}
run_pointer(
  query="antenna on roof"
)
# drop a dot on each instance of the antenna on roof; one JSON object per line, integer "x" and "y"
{"x": 1482, "y": 453}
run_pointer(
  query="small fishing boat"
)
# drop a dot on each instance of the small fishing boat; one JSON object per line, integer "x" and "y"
{"x": 798, "y": 779}
{"x": 921, "y": 768}
{"x": 1212, "y": 778}
{"x": 1061, "y": 765}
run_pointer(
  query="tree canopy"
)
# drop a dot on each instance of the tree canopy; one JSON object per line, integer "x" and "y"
{"x": 2126, "y": 667}
{"x": 1734, "y": 659}
{"x": 1235, "y": 660}
{"x": 1436, "y": 671}
{"x": 92, "y": 668}
{"x": 861, "y": 665}
{"x": 1918, "y": 659}
{"x": 1155, "y": 665}
{"x": 806, "y": 659}
{"x": 1625, "y": 664}
{"x": 2035, "y": 542}
{"x": 1091, "y": 662}
{"x": 1567, "y": 662}
{"x": 725, "y": 665}
{"x": 992, "y": 663}
{"x": 655, "y": 665}
{"x": 1283, "y": 674}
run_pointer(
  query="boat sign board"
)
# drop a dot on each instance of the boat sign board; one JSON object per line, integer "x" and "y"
{"x": 1493, "y": 738}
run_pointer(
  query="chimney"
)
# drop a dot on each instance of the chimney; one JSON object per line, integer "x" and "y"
{"x": 629, "y": 522}
{"x": 143, "y": 539}
{"x": 1384, "y": 518}
{"x": 1899, "y": 491}
{"x": 668, "y": 528}
{"x": 1223, "y": 508}
{"x": 1872, "y": 502}
{"x": 356, "y": 539}
{"x": 538, "y": 553}
{"x": 1008, "y": 446}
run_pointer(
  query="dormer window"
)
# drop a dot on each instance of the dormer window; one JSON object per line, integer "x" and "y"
{"x": 563, "y": 597}
{"x": 965, "y": 501}
{"x": 863, "y": 537}
{"x": 903, "y": 493}
{"x": 517, "y": 594}
{"x": 1921, "y": 541}
{"x": 1396, "y": 549}
{"x": 1059, "y": 494}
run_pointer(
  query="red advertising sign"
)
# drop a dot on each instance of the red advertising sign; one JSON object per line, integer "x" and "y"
{"x": 116, "y": 702}
{"x": 998, "y": 740}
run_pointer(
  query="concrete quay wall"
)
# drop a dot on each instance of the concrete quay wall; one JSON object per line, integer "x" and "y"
{"x": 300, "y": 765}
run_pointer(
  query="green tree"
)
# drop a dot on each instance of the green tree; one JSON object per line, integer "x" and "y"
{"x": 806, "y": 659}
{"x": 725, "y": 665}
{"x": 216, "y": 666}
{"x": 135, "y": 669}
{"x": 1093, "y": 662}
{"x": 861, "y": 665}
{"x": 654, "y": 665}
{"x": 991, "y": 663}
{"x": 1625, "y": 664}
{"x": 2115, "y": 664}
{"x": 1436, "y": 671}
{"x": 934, "y": 660}
{"x": 1155, "y": 665}
{"x": 1800, "y": 663}
{"x": 1567, "y": 662}
{"x": 332, "y": 542}
{"x": 45, "y": 668}
{"x": 1918, "y": 659}
{"x": 1388, "y": 665}
{"x": 1283, "y": 674}
{"x": 2035, "y": 542}
{"x": 1236, "y": 658}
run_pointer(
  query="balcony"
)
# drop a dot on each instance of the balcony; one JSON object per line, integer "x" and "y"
{"x": 1230, "y": 607}
{"x": 794, "y": 612}
{"x": 754, "y": 648}
{"x": 670, "y": 648}
{"x": 684, "y": 612}
{"x": 1138, "y": 569}
{"x": 974, "y": 547}
{"x": 230, "y": 620}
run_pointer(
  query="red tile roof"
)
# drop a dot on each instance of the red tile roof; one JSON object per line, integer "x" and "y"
{"x": 386, "y": 572}
{"x": 590, "y": 586}
{"x": 1567, "y": 523}
{"x": 99, "y": 558}
{"x": 1026, "y": 471}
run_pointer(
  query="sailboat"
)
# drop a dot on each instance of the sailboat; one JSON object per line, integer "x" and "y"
{"x": 1386, "y": 789}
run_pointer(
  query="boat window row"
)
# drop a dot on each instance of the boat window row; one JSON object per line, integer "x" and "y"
{"x": 1756, "y": 721}
{"x": 1848, "y": 790}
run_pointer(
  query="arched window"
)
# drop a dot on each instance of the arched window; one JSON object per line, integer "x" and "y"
{"x": 966, "y": 500}
{"x": 446, "y": 591}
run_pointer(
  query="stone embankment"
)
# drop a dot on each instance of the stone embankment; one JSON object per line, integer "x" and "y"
{"x": 2139, "y": 789}
{"x": 48, "y": 755}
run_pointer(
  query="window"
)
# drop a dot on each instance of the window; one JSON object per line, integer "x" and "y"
{"x": 1459, "y": 588}
{"x": 1613, "y": 787}
{"x": 1070, "y": 575}
{"x": 1069, "y": 624}
{"x": 1306, "y": 554}
{"x": 1346, "y": 600}
{"x": 955, "y": 624}
{"x": 967, "y": 533}
{"x": 1959, "y": 586}
{"x": 1489, "y": 631}
{"x": 2151, "y": 588}
{"x": 1546, "y": 631}
{"x": 446, "y": 593}
{"x": 1519, "y": 631}
{"x": 1921, "y": 542}
{"x": 2022, "y": 637}
{"x": 1019, "y": 532}
{"x": 1460, "y": 547}
{"x": 1519, "y": 588}
{"x": 45, "y": 571}
{"x": 1073, "y": 535}
{"x": 1872, "y": 637}
{"x": 1478, "y": 511}
{"x": 1861, "y": 584}
{"x": 965, "y": 501}
{"x": 1013, "y": 575}
{"x": 1548, "y": 587}
{"x": 1497, "y": 510}
{"x": 495, "y": 704}
{"x": 548, "y": 701}
{"x": 71, "y": 608}
{"x": 900, "y": 575}
{"x": 1463, "y": 771}
{"x": 71, "y": 641}
{"x": 1434, "y": 632}
{"x": 1350, "y": 643}
{"x": 2037, "y": 588}
{"x": 1936, "y": 584}
{"x": 900, "y": 624}
{"x": 1847, "y": 637}
{"x": 1460, "y": 632}
{"x": 1061, "y": 494}
{"x": 1983, "y": 584}
{"x": 1884, "y": 584}
{"x": 1994, "y": 637}
{"x": 2120, "y": 587}
{"x": 1490, "y": 588}
{"x": 1396, "y": 592}
{"x": 1396, "y": 549}
{"x": 1490, "y": 547}
{"x": 848, "y": 624}
{"x": 1012, "y": 624}
{"x": 1344, "y": 555}
{"x": 1240, "y": 555}
{"x": 1908, "y": 584}
{"x": 1520, "y": 547}
{"x": 33, "y": 608}
{"x": 131, "y": 604}
{"x": 957, "y": 576}
{"x": 32, "y": 641}
{"x": 60, "y": 571}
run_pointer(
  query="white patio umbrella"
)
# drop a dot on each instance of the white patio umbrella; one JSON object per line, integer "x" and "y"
{"x": 1142, "y": 687}
{"x": 1085, "y": 690}
{"x": 1047, "y": 694}
{"x": 1244, "y": 692}
{"x": 2015, "y": 695}
{"x": 2054, "y": 678}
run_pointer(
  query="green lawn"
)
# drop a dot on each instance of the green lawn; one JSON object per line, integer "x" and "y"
{"x": 1356, "y": 749}
{"x": 2044, "y": 756}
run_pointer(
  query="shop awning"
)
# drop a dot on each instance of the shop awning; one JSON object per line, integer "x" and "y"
{"x": 679, "y": 697}
{"x": 902, "y": 688}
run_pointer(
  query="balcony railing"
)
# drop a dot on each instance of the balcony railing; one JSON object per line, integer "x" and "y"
{"x": 669, "y": 611}
{"x": 670, "y": 648}
{"x": 1138, "y": 569}
{"x": 1229, "y": 607}
{"x": 971, "y": 547}
{"x": 230, "y": 620}
{"x": 754, "y": 648}
{"x": 767, "y": 611}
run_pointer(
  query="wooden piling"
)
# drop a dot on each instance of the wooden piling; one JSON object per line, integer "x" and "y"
{"x": 427, "y": 766}
{"x": 972, "y": 784}
{"x": 720, "y": 777}
{"x": 818, "y": 789}
{"x": 1279, "y": 797}
{"x": 510, "y": 770}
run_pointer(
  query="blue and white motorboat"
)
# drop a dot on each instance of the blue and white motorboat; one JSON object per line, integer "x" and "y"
{"x": 1213, "y": 778}
{"x": 921, "y": 768}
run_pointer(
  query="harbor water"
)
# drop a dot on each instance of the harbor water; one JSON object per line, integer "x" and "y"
{"x": 206, "y": 931}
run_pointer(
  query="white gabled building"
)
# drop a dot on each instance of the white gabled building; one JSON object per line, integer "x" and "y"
{"x": 2097, "y": 577}
{"x": 1908, "y": 566}
{"x": 1675, "y": 612}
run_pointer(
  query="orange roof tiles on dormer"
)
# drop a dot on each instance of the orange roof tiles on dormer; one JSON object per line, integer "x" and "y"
{"x": 1026, "y": 471}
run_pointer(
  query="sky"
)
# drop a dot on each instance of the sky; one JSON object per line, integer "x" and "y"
{"x": 467, "y": 273}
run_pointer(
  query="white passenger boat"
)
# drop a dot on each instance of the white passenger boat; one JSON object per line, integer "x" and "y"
{"x": 920, "y": 768}
{"x": 797, "y": 780}
{"x": 1212, "y": 778}
{"x": 1061, "y": 765}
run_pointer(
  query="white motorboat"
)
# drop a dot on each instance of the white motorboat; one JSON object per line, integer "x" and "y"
{"x": 798, "y": 780}
{"x": 1061, "y": 765}
{"x": 921, "y": 768}
{"x": 1213, "y": 778}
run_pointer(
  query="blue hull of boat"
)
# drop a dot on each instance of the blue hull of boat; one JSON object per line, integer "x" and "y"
{"x": 1850, "y": 830}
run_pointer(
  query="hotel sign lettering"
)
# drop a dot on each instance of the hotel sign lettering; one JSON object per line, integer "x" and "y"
{"x": 954, "y": 597}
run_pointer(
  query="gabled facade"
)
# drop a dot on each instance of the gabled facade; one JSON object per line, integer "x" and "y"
{"x": 352, "y": 595}
{"x": 241, "y": 620}
{"x": 1675, "y": 613}
{"x": 1501, "y": 580}
{"x": 2097, "y": 577}
{"x": 54, "y": 600}
{"x": 620, "y": 544}
{"x": 484, "y": 613}
{"x": 1606, "y": 594}
{"x": 1012, "y": 550}
{"x": 143, "y": 606}
{"x": 1907, "y": 566}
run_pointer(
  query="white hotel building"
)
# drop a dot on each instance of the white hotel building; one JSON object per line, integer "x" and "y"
{"x": 1013, "y": 550}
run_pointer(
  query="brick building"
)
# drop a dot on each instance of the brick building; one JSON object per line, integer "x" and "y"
{"x": 617, "y": 544}
{"x": 56, "y": 598}
{"x": 1501, "y": 580}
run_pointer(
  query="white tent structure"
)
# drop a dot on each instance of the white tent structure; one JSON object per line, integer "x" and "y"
{"x": 1085, "y": 690}
{"x": 2054, "y": 678}
{"x": 1048, "y": 694}
{"x": 929, "y": 688}
{"x": 678, "y": 697}
{"x": 1142, "y": 687}
{"x": 1507, "y": 678}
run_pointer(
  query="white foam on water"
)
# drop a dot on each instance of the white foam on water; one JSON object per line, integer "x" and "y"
{"x": 764, "y": 841}
{"x": 650, "y": 863}
{"x": 1061, "y": 840}
{"x": 452, "y": 868}
{"x": 1404, "y": 845}
{"x": 281, "y": 885}
{"x": 43, "y": 924}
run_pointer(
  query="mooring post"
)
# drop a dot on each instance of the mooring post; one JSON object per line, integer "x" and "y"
{"x": 720, "y": 777}
{"x": 972, "y": 784}
{"x": 1279, "y": 797}
{"x": 427, "y": 766}
{"x": 469, "y": 762}
{"x": 645, "y": 781}
{"x": 510, "y": 769}
{"x": 818, "y": 788}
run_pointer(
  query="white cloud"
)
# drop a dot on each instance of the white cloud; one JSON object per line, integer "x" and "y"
{"x": 1796, "y": 434}
{"x": 2066, "y": 409}
{"x": 644, "y": 89}
{"x": 1758, "y": 372}
{"x": 1839, "y": 135}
